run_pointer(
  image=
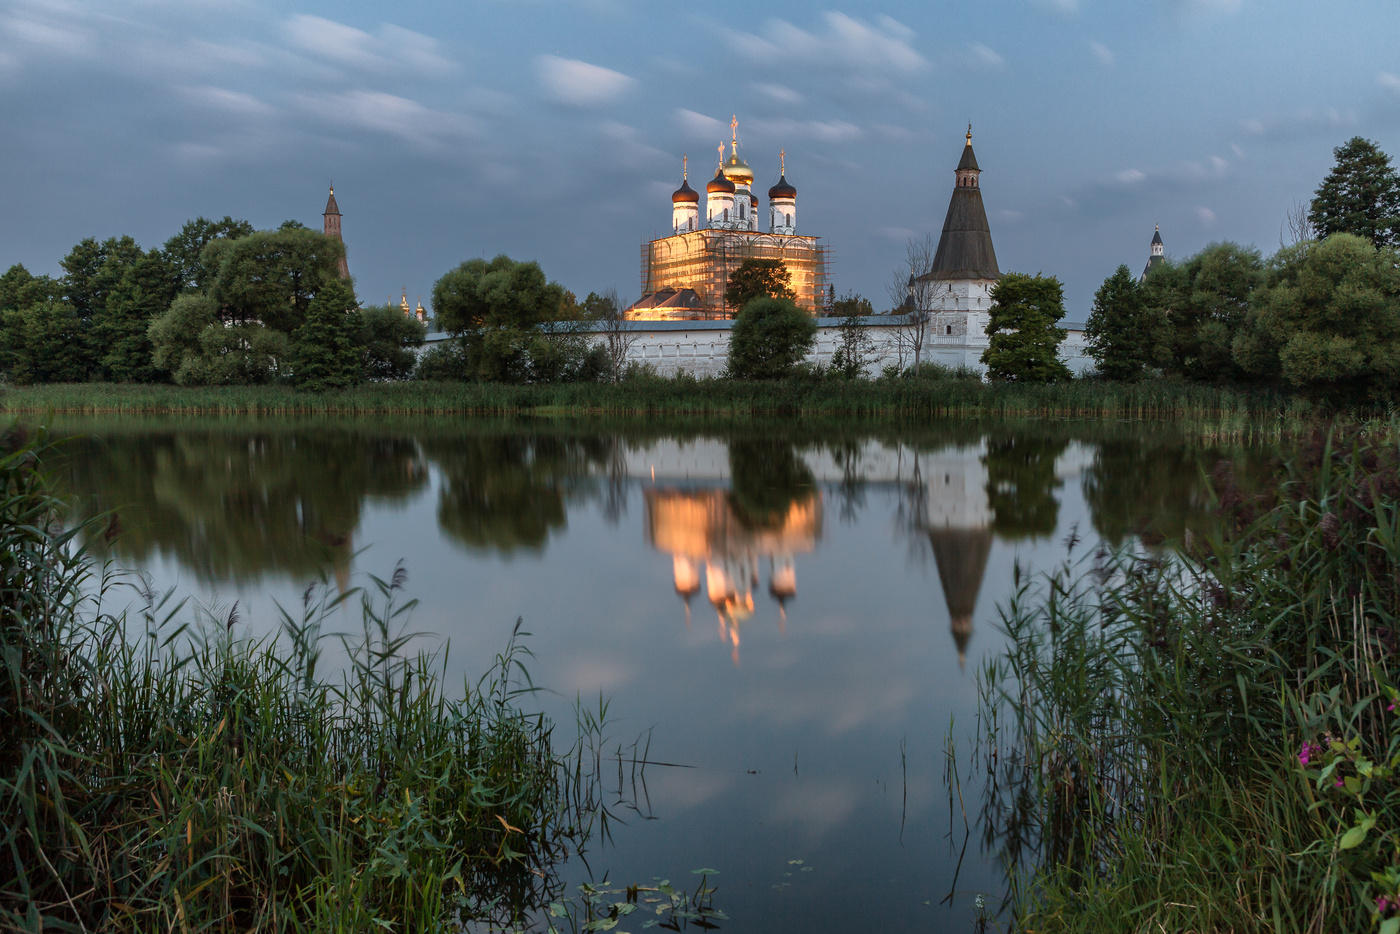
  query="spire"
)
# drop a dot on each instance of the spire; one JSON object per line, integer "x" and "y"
{"x": 734, "y": 134}
{"x": 961, "y": 557}
{"x": 685, "y": 167}
{"x": 330, "y": 218}
{"x": 331, "y": 207}
{"x": 965, "y": 248}
{"x": 782, "y": 162}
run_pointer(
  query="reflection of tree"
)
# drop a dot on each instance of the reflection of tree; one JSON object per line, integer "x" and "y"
{"x": 766, "y": 478}
{"x": 237, "y": 504}
{"x": 508, "y": 491}
{"x": 1021, "y": 483}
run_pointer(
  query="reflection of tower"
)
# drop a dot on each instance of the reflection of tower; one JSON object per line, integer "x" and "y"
{"x": 961, "y": 556}
{"x": 782, "y": 583}
{"x": 687, "y": 578}
{"x": 954, "y": 512}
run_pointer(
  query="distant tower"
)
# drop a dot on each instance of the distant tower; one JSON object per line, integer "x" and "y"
{"x": 1155, "y": 257}
{"x": 685, "y": 202}
{"x": 782, "y": 201}
{"x": 719, "y": 198}
{"x": 403, "y": 304}
{"x": 965, "y": 265}
{"x": 331, "y": 218}
{"x": 737, "y": 171}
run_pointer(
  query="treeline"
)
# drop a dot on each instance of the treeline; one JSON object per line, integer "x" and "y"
{"x": 220, "y": 303}
{"x": 1320, "y": 316}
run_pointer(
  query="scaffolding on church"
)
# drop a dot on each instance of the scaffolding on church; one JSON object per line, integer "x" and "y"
{"x": 703, "y": 260}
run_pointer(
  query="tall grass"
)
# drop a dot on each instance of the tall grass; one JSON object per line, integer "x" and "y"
{"x": 161, "y": 776}
{"x": 1209, "y": 740}
{"x": 913, "y": 396}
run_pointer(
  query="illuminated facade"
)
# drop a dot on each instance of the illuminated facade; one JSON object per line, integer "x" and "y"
{"x": 684, "y": 276}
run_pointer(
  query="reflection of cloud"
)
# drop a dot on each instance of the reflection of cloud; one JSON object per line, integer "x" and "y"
{"x": 585, "y": 674}
{"x": 674, "y": 790}
{"x": 580, "y": 84}
{"x": 817, "y": 806}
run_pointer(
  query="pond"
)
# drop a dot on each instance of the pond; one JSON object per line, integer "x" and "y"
{"x": 788, "y": 618}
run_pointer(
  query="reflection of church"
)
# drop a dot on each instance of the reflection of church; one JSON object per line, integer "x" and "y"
{"x": 700, "y": 530}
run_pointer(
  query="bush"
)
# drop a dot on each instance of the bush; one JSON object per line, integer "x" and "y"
{"x": 770, "y": 337}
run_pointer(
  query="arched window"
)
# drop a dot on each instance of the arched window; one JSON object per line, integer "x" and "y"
{"x": 726, "y": 214}
{"x": 787, "y": 219}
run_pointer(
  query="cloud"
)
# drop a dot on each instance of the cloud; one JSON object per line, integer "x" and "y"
{"x": 389, "y": 114}
{"x": 46, "y": 35}
{"x": 697, "y": 124}
{"x": 1130, "y": 176}
{"x": 579, "y": 84}
{"x": 355, "y": 48}
{"x": 631, "y": 146}
{"x": 881, "y": 46}
{"x": 780, "y": 93}
{"x": 1389, "y": 81}
{"x": 1303, "y": 123}
{"x": 234, "y": 102}
{"x": 1058, "y": 7}
{"x": 984, "y": 56}
{"x": 1102, "y": 53}
{"x": 827, "y": 131}
{"x": 1206, "y": 216}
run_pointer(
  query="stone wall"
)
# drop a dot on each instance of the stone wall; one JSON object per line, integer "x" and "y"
{"x": 701, "y": 348}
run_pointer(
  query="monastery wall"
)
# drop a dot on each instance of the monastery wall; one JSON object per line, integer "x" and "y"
{"x": 701, "y": 348}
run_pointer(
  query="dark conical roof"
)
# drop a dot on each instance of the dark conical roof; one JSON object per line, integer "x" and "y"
{"x": 1157, "y": 236}
{"x": 965, "y": 248}
{"x": 961, "y": 556}
{"x": 969, "y": 159}
{"x": 331, "y": 206}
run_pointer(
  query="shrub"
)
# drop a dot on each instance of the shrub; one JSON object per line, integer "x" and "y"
{"x": 769, "y": 338}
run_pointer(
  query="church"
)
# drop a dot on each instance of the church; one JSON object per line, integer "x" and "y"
{"x": 684, "y": 275}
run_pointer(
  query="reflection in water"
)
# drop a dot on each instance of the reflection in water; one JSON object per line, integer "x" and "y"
{"x": 703, "y": 528}
{"x": 1022, "y": 481}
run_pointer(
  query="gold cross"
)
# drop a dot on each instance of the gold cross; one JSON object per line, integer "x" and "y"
{"x": 685, "y": 164}
{"x": 782, "y": 162}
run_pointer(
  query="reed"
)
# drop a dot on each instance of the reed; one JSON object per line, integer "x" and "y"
{"x": 917, "y": 396}
{"x": 1208, "y": 739}
{"x": 158, "y": 775}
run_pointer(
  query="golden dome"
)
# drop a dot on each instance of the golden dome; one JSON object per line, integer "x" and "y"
{"x": 737, "y": 170}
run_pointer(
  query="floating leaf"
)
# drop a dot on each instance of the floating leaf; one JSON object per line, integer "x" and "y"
{"x": 602, "y": 924}
{"x": 807, "y": 868}
{"x": 624, "y": 908}
{"x": 795, "y": 862}
{"x": 557, "y": 910}
{"x": 704, "y": 872}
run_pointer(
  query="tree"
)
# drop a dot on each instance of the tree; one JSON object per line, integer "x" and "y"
{"x": 144, "y": 293}
{"x": 323, "y": 352}
{"x": 854, "y": 348}
{"x": 174, "y": 336}
{"x": 44, "y": 343}
{"x": 1025, "y": 340}
{"x": 912, "y": 292}
{"x": 1203, "y": 302}
{"x": 271, "y": 276}
{"x": 1361, "y": 195}
{"x": 19, "y": 289}
{"x": 92, "y": 270}
{"x": 618, "y": 336}
{"x": 1122, "y": 334}
{"x": 769, "y": 338}
{"x": 386, "y": 336}
{"x": 495, "y": 309}
{"x": 757, "y": 278}
{"x": 1327, "y": 321}
{"x": 185, "y": 250}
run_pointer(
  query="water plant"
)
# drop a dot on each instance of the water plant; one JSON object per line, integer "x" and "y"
{"x": 1205, "y": 739}
{"x": 158, "y": 774}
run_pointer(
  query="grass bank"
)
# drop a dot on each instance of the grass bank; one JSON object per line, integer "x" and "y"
{"x": 909, "y": 397}
{"x": 161, "y": 776}
{"x": 1209, "y": 739}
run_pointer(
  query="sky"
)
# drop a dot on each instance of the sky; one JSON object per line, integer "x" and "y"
{"x": 553, "y": 131}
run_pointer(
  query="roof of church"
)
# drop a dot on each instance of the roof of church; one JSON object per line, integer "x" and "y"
{"x": 720, "y": 184}
{"x": 685, "y": 194}
{"x": 965, "y": 248}
{"x": 1156, "y": 236}
{"x": 783, "y": 189}
{"x": 969, "y": 159}
{"x": 961, "y": 557}
{"x": 331, "y": 206}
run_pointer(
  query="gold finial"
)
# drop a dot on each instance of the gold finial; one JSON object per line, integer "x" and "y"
{"x": 734, "y": 134}
{"x": 685, "y": 167}
{"x": 782, "y": 162}
{"x": 721, "y": 154}
{"x": 969, "y": 134}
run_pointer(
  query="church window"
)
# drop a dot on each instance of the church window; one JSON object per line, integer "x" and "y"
{"x": 726, "y": 214}
{"x": 787, "y": 219}
{"x": 949, "y": 328}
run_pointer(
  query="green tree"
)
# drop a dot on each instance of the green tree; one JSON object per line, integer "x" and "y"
{"x": 1203, "y": 302}
{"x": 185, "y": 250}
{"x": 1361, "y": 195}
{"x": 175, "y": 337}
{"x": 19, "y": 289}
{"x": 495, "y": 309}
{"x": 39, "y": 343}
{"x": 1024, "y": 336}
{"x": 1123, "y": 335}
{"x": 756, "y": 278}
{"x": 144, "y": 293}
{"x": 271, "y": 276}
{"x": 92, "y": 271}
{"x": 769, "y": 338}
{"x": 323, "y": 352}
{"x": 855, "y": 347}
{"x": 1328, "y": 320}
{"x": 386, "y": 338}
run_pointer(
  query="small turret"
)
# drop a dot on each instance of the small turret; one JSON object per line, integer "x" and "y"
{"x": 782, "y": 201}
{"x": 685, "y": 202}
{"x": 1155, "y": 255}
{"x": 719, "y": 201}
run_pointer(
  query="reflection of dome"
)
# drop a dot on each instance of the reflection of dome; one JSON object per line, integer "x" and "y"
{"x": 685, "y": 194}
{"x": 719, "y": 184}
{"x": 687, "y": 576}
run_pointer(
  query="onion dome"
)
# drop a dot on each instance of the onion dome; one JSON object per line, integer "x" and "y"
{"x": 783, "y": 189}
{"x": 737, "y": 170}
{"x": 685, "y": 194}
{"x": 720, "y": 184}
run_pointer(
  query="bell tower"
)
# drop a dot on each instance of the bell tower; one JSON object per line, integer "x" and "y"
{"x": 331, "y": 228}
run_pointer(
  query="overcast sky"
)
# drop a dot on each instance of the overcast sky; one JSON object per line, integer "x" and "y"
{"x": 554, "y": 131}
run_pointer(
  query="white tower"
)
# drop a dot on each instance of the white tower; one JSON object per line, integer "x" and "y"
{"x": 782, "y": 201}
{"x": 719, "y": 198}
{"x": 685, "y": 203}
